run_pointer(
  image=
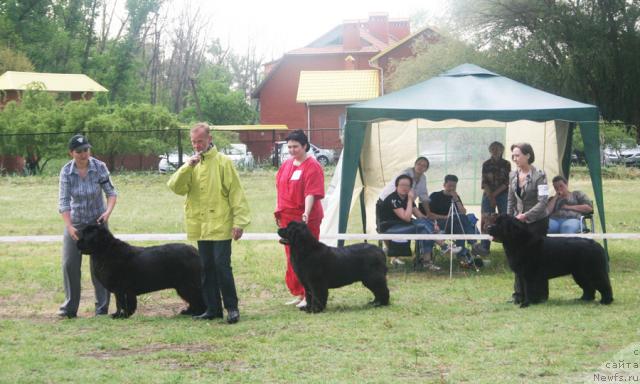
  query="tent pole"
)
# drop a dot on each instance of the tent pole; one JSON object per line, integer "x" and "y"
{"x": 591, "y": 137}
{"x": 363, "y": 207}
{"x": 354, "y": 132}
{"x": 568, "y": 148}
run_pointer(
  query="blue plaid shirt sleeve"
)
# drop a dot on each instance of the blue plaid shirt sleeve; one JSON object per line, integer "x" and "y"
{"x": 64, "y": 193}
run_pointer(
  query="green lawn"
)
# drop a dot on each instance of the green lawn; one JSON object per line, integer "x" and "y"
{"x": 436, "y": 330}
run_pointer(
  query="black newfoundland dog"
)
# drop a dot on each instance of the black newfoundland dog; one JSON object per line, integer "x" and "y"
{"x": 320, "y": 267}
{"x": 536, "y": 259}
{"x": 128, "y": 271}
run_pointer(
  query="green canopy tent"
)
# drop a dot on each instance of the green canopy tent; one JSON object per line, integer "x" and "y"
{"x": 466, "y": 93}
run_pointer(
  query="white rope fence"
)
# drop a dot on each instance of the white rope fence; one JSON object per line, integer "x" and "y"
{"x": 345, "y": 236}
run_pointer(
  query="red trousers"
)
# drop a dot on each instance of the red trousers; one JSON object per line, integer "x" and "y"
{"x": 295, "y": 286}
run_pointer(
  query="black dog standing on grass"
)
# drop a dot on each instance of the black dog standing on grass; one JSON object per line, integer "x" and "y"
{"x": 537, "y": 259}
{"x": 320, "y": 267}
{"x": 128, "y": 271}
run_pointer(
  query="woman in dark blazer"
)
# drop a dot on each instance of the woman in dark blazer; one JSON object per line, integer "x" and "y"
{"x": 527, "y": 199}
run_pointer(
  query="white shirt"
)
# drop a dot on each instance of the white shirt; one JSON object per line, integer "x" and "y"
{"x": 419, "y": 186}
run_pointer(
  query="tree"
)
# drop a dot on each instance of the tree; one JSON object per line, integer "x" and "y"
{"x": 132, "y": 129}
{"x": 430, "y": 60}
{"x": 616, "y": 136}
{"x": 583, "y": 49}
{"x": 32, "y": 124}
{"x": 11, "y": 60}
{"x": 219, "y": 104}
{"x": 122, "y": 69}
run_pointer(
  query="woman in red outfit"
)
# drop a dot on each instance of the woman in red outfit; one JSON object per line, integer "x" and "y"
{"x": 300, "y": 187}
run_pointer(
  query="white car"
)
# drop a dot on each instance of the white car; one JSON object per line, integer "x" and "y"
{"x": 236, "y": 152}
{"x": 628, "y": 156}
{"x": 169, "y": 163}
{"x": 239, "y": 155}
{"x": 324, "y": 156}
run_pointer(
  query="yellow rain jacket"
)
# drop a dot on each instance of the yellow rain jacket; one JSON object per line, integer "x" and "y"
{"x": 215, "y": 200}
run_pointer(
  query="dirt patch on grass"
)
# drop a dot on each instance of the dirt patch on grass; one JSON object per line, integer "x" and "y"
{"x": 220, "y": 366}
{"x": 149, "y": 349}
{"x": 172, "y": 362}
{"x": 42, "y": 306}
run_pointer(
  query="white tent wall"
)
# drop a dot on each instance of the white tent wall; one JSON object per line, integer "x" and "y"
{"x": 392, "y": 146}
{"x": 331, "y": 204}
{"x": 548, "y": 140}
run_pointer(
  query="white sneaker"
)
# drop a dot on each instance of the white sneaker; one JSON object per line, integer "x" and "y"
{"x": 295, "y": 300}
{"x": 479, "y": 250}
{"x": 302, "y": 303}
{"x": 432, "y": 267}
{"x": 446, "y": 249}
{"x": 396, "y": 261}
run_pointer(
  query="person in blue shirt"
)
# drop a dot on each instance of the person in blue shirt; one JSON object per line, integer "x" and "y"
{"x": 83, "y": 181}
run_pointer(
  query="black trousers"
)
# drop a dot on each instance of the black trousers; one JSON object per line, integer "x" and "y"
{"x": 217, "y": 276}
{"x": 541, "y": 227}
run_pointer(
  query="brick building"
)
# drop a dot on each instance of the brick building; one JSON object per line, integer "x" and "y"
{"x": 355, "y": 45}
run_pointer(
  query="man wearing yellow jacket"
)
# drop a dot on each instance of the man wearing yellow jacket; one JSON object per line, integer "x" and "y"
{"x": 216, "y": 211}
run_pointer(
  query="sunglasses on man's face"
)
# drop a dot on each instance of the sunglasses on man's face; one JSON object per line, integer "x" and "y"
{"x": 81, "y": 150}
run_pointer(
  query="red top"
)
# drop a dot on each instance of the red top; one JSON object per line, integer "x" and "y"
{"x": 295, "y": 182}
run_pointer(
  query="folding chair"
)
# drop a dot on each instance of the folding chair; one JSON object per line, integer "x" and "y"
{"x": 587, "y": 224}
{"x": 393, "y": 248}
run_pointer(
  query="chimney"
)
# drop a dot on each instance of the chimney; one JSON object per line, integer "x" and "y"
{"x": 379, "y": 26}
{"x": 351, "y": 36}
{"x": 349, "y": 63}
{"x": 399, "y": 28}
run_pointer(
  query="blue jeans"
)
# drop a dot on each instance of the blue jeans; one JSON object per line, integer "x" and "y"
{"x": 217, "y": 276}
{"x": 467, "y": 228}
{"x": 501, "y": 206}
{"x": 569, "y": 225}
{"x": 419, "y": 227}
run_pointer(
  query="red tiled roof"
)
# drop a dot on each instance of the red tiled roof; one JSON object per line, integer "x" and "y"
{"x": 375, "y": 46}
{"x": 330, "y": 49}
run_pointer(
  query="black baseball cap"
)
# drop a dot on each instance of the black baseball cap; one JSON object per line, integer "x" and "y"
{"x": 78, "y": 142}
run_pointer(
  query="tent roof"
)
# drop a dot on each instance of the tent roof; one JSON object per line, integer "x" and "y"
{"x": 469, "y": 92}
{"x": 53, "y": 82}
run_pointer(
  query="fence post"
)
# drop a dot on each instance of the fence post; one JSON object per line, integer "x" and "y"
{"x": 179, "y": 148}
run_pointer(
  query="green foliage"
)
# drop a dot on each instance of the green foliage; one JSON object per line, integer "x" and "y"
{"x": 77, "y": 113}
{"x": 38, "y": 113}
{"x": 139, "y": 61}
{"x": 219, "y": 104}
{"x": 616, "y": 136}
{"x": 582, "y": 49}
{"x": 432, "y": 59}
{"x": 132, "y": 129}
{"x": 11, "y": 60}
{"x": 121, "y": 130}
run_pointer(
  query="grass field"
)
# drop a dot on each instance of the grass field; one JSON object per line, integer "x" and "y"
{"x": 436, "y": 330}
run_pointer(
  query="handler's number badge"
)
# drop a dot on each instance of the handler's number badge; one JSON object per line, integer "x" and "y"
{"x": 543, "y": 190}
{"x": 296, "y": 174}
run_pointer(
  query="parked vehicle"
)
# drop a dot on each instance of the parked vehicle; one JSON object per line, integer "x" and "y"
{"x": 629, "y": 157}
{"x": 324, "y": 156}
{"x": 236, "y": 152}
{"x": 169, "y": 163}
{"x": 240, "y": 156}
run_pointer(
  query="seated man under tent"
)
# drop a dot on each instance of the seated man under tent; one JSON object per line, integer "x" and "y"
{"x": 447, "y": 208}
{"x": 419, "y": 188}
